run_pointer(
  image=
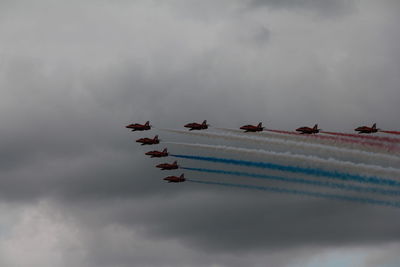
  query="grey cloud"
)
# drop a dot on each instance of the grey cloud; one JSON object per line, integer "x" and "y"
{"x": 270, "y": 222}
{"x": 324, "y": 8}
{"x": 67, "y": 96}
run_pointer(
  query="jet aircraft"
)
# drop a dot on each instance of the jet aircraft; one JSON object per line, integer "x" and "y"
{"x": 168, "y": 166}
{"x": 308, "y": 130}
{"x": 175, "y": 179}
{"x": 157, "y": 154}
{"x": 148, "y": 141}
{"x": 252, "y": 128}
{"x": 197, "y": 126}
{"x": 366, "y": 129}
{"x": 139, "y": 127}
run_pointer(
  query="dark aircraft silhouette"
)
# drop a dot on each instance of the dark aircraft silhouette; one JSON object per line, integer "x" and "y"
{"x": 308, "y": 130}
{"x": 175, "y": 179}
{"x": 197, "y": 126}
{"x": 252, "y": 128}
{"x": 157, "y": 154}
{"x": 168, "y": 166}
{"x": 139, "y": 127}
{"x": 149, "y": 141}
{"x": 366, "y": 129}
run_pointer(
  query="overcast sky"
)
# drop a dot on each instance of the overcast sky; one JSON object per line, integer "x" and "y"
{"x": 76, "y": 190}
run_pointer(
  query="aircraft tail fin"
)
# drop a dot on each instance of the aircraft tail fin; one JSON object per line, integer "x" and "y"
{"x": 165, "y": 150}
{"x": 147, "y": 123}
{"x": 259, "y": 124}
{"x": 156, "y": 137}
{"x": 182, "y": 175}
{"x": 374, "y": 126}
{"x": 175, "y": 162}
{"x": 316, "y": 127}
{"x": 204, "y": 122}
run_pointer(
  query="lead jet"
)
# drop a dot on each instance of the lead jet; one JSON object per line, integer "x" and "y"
{"x": 139, "y": 127}
{"x": 157, "y": 154}
{"x": 366, "y": 129}
{"x": 175, "y": 179}
{"x": 197, "y": 126}
{"x": 168, "y": 166}
{"x": 308, "y": 130}
{"x": 148, "y": 141}
{"x": 252, "y": 128}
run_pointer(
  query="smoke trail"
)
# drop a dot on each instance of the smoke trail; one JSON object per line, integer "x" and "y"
{"x": 321, "y": 149}
{"x": 309, "y": 161}
{"x": 393, "y": 204}
{"x": 320, "y": 139}
{"x": 360, "y": 189}
{"x": 309, "y": 171}
{"x": 341, "y": 139}
{"x": 374, "y": 138}
{"x": 390, "y": 132}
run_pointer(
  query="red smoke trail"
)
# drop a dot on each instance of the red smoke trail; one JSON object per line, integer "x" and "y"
{"x": 374, "y": 138}
{"x": 390, "y": 132}
{"x": 280, "y": 131}
{"x": 320, "y": 139}
{"x": 341, "y": 139}
{"x": 319, "y": 149}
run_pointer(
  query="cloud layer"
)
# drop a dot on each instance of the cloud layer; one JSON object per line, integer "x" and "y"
{"x": 72, "y": 74}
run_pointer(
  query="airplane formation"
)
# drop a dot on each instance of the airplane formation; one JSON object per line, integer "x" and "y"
{"x": 139, "y": 127}
{"x": 309, "y": 130}
{"x": 197, "y": 126}
{"x": 252, "y": 128}
{"x": 202, "y": 126}
{"x": 148, "y": 141}
{"x": 168, "y": 166}
{"x": 157, "y": 154}
{"x": 366, "y": 129}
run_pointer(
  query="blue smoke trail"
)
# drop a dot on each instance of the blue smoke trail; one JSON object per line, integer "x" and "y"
{"x": 394, "y": 204}
{"x": 309, "y": 171}
{"x": 301, "y": 181}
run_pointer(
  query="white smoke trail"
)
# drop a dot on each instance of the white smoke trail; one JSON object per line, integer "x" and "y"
{"x": 321, "y": 150}
{"x": 303, "y": 160}
{"x": 337, "y": 142}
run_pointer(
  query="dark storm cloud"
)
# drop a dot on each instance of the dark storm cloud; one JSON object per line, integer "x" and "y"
{"x": 74, "y": 76}
{"x": 221, "y": 220}
{"x": 69, "y": 146}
